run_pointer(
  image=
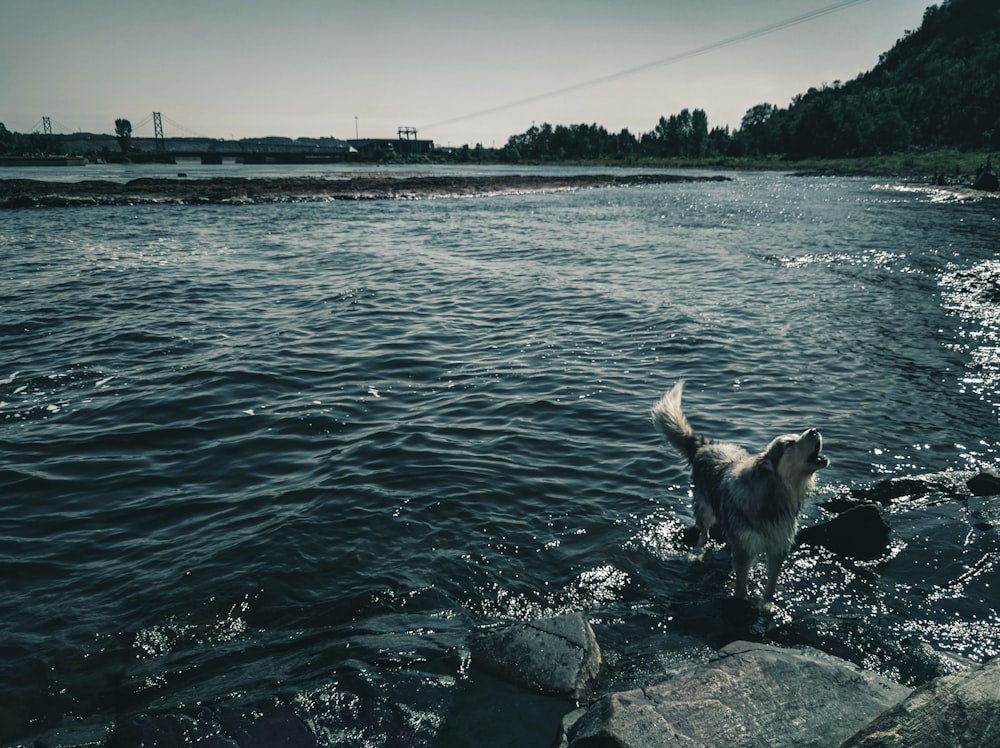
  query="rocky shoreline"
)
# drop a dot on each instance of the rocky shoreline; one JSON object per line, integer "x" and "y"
{"x": 748, "y": 693}
{"x": 32, "y": 193}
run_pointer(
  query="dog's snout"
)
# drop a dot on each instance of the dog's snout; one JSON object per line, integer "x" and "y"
{"x": 813, "y": 432}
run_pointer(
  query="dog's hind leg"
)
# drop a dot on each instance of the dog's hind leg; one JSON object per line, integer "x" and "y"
{"x": 775, "y": 560}
{"x": 704, "y": 520}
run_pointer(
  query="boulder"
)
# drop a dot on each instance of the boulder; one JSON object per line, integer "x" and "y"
{"x": 961, "y": 711}
{"x": 749, "y": 695}
{"x": 861, "y": 532}
{"x": 557, "y": 655}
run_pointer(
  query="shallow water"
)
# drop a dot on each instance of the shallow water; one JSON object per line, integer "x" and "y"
{"x": 286, "y": 457}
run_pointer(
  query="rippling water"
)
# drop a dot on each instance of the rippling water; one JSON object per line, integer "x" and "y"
{"x": 280, "y": 460}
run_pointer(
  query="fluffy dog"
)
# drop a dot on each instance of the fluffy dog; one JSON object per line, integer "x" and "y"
{"x": 755, "y": 499}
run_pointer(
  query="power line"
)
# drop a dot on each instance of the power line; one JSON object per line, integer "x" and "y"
{"x": 686, "y": 55}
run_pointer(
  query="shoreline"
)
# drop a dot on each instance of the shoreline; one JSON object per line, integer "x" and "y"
{"x": 32, "y": 193}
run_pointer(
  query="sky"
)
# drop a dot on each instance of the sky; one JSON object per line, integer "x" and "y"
{"x": 459, "y": 71}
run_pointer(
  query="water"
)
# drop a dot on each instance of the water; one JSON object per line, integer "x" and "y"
{"x": 268, "y": 466}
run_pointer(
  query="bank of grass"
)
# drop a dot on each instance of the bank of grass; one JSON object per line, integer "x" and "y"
{"x": 952, "y": 164}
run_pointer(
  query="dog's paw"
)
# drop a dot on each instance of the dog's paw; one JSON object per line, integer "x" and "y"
{"x": 696, "y": 555}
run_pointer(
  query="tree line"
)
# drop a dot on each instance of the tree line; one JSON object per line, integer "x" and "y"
{"x": 938, "y": 87}
{"x": 685, "y": 135}
{"x": 17, "y": 144}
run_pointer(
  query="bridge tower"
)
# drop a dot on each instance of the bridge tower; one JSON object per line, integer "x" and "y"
{"x": 46, "y": 125}
{"x": 158, "y": 132}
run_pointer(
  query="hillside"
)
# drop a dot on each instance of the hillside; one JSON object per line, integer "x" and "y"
{"x": 939, "y": 86}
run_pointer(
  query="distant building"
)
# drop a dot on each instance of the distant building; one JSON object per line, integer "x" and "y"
{"x": 376, "y": 147}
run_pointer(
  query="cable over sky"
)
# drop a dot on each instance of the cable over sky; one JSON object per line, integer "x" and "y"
{"x": 680, "y": 56}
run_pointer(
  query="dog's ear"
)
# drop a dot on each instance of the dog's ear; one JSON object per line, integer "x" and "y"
{"x": 763, "y": 467}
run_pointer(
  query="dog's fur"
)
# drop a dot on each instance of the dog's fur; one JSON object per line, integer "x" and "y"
{"x": 755, "y": 499}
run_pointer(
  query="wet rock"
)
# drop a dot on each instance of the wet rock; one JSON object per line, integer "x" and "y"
{"x": 861, "y": 532}
{"x": 19, "y": 201}
{"x": 24, "y": 193}
{"x": 886, "y": 491}
{"x": 987, "y": 483}
{"x": 74, "y": 736}
{"x": 750, "y": 695}
{"x": 960, "y": 710}
{"x": 221, "y": 727}
{"x": 552, "y": 655}
{"x": 987, "y": 181}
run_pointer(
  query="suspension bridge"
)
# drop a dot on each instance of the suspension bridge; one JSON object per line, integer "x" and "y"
{"x": 148, "y": 142}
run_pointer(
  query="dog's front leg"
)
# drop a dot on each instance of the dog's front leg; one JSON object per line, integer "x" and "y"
{"x": 774, "y": 563}
{"x": 741, "y": 565}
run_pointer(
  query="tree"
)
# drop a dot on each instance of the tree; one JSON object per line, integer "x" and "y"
{"x": 123, "y": 131}
{"x": 6, "y": 140}
{"x": 756, "y": 129}
{"x": 698, "y": 142}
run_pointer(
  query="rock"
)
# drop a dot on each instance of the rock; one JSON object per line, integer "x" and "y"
{"x": 74, "y": 736}
{"x": 750, "y": 695}
{"x": 960, "y": 710}
{"x": 219, "y": 727}
{"x": 987, "y": 181}
{"x": 987, "y": 483}
{"x": 25, "y": 193}
{"x": 860, "y": 532}
{"x": 886, "y": 491}
{"x": 551, "y": 655}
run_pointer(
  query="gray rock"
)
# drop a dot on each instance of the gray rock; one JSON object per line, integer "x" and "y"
{"x": 551, "y": 655}
{"x": 959, "y": 711}
{"x": 750, "y": 695}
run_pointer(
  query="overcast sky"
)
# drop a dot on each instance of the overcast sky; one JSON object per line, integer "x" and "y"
{"x": 460, "y": 71}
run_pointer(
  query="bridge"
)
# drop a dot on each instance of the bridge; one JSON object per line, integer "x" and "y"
{"x": 189, "y": 144}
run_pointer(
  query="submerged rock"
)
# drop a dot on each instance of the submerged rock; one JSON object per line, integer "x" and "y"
{"x": 552, "y": 655}
{"x": 960, "y": 710}
{"x": 750, "y": 695}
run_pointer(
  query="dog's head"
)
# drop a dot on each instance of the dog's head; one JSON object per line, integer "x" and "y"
{"x": 794, "y": 459}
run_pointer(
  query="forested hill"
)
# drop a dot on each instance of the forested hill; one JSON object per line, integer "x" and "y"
{"x": 939, "y": 86}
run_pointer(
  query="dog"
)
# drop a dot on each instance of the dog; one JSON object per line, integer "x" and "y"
{"x": 754, "y": 499}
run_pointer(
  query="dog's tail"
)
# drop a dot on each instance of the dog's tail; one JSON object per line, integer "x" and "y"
{"x": 673, "y": 426}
